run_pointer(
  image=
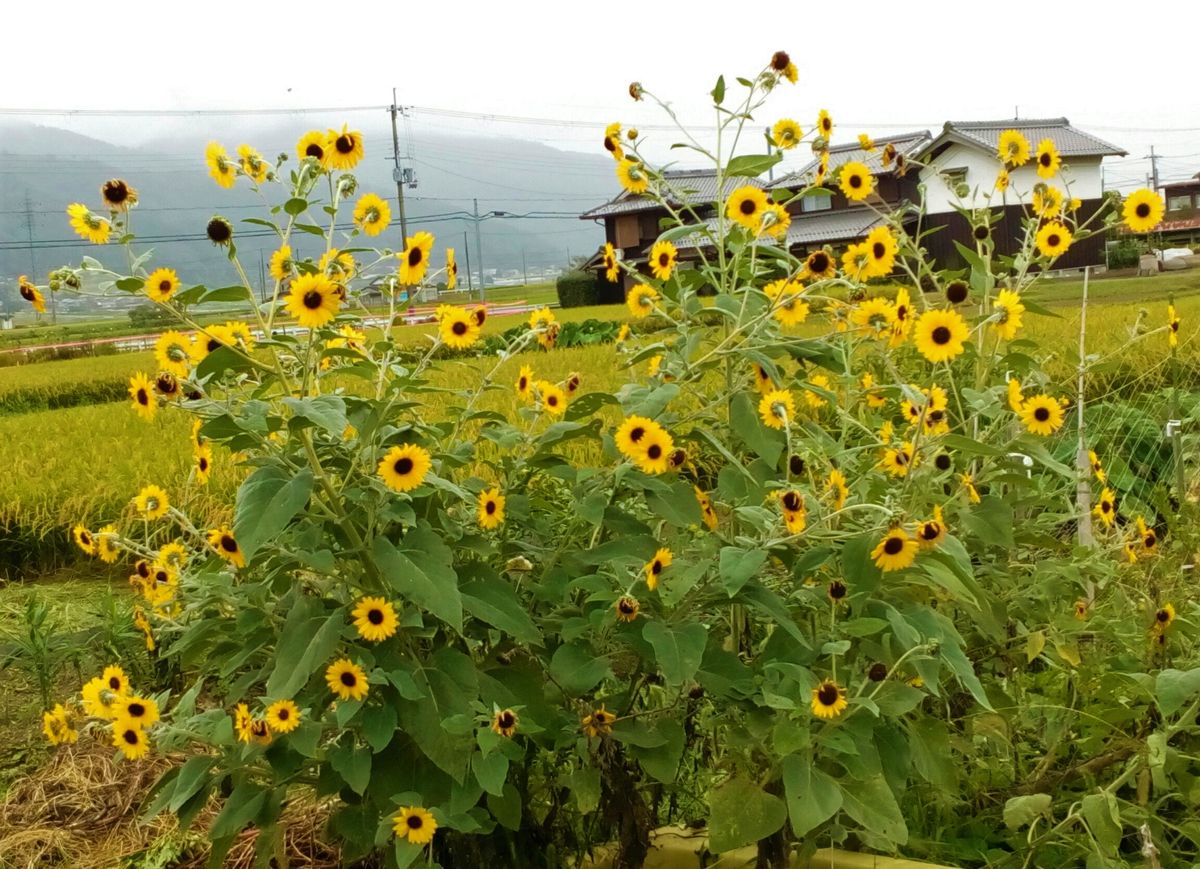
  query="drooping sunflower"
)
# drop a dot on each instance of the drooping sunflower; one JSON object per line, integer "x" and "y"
{"x": 525, "y": 383}
{"x": 161, "y": 285}
{"x": 106, "y": 546}
{"x": 1047, "y": 201}
{"x": 866, "y": 143}
{"x": 707, "y": 513}
{"x": 313, "y": 144}
{"x": 627, "y": 608}
{"x": 84, "y": 539}
{"x": 88, "y": 225}
{"x": 543, "y": 322}
{"x": 554, "y": 400}
{"x": 142, "y": 711}
{"x": 451, "y": 269}
{"x": 1002, "y": 180}
{"x": 152, "y": 502}
{"x": 795, "y": 513}
{"x": 640, "y": 300}
{"x": 504, "y": 722}
{"x": 457, "y": 327}
{"x": 612, "y": 141}
{"x": 655, "y": 566}
{"x": 56, "y": 724}
{"x": 825, "y": 123}
{"x": 166, "y": 384}
{"x": 222, "y": 169}
{"x": 902, "y": 308}
{"x": 283, "y": 716}
{"x": 599, "y": 722}
{"x": 415, "y": 824}
{"x": 491, "y": 508}
{"x": 1142, "y": 210}
{"x": 828, "y": 700}
{"x": 786, "y": 134}
{"x": 404, "y": 467}
{"x": 131, "y": 739}
{"x": 1015, "y": 396}
{"x": 775, "y": 220}
{"x": 1041, "y": 414}
{"x": 344, "y": 149}
{"x": 856, "y": 181}
{"x": 253, "y": 165}
{"x": 31, "y": 294}
{"x": 819, "y": 265}
{"x": 313, "y": 300}
{"x": 1149, "y": 537}
{"x": 375, "y": 619}
{"x": 337, "y": 265}
{"x": 939, "y": 335}
{"x": 219, "y": 230}
{"x": 226, "y": 545}
{"x": 968, "y": 482}
{"x": 932, "y": 531}
{"x": 414, "y": 259}
{"x": 1006, "y": 312}
{"x": 1106, "y": 507}
{"x": 1013, "y": 148}
{"x": 777, "y": 408}
{"x": 372, "y": 214}
{"x": 1172, "y": 326}
{"x": 173, "y": 555}
{"x": 1097, "y": 467}
{"x": 1053, "y": 239}
{"x": 242, "y": 720}
{"x": 662, "y": 259}
{"x": 1048, "y": 159}
{"x": 856, "y": 262}
{"x": 347, "y": 680}
{"x": 1164, "y": 616}
{"x": 895, "y": 551}
{"x": 746, "y": 206}
{"x": 118, "y": 195}
{"x": 633, "y": 175}
{"x": 876, "y": 316}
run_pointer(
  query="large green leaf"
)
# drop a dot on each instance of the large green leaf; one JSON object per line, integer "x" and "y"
{"x": 678, "y": 505}
{"x": 752, "y": 165}
{"x": 422, "y": 573}
{"x": 1020, "y": 811}
{"x": 577, "y": 669}
{"x": 741, "y": 813}
{"x": 305, "y": 645}
{"x": 268, "y": 500}
{"x": 812, "y": 796}
{"x": 324, "y": 411}
{"x": 872, "y": 804}
{"x": 677, "y": 649}
{"x": 764, "y": 442}
{"x": 737, "y": 565}
{"x": 1174, "y": 688}
{"x": 491, "y": 600}
{"x": 239, "y": 810}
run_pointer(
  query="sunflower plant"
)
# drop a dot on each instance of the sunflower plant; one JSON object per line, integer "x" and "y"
{"x": 808, "y": 576}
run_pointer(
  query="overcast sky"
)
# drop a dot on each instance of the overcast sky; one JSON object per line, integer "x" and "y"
{"x": 878, "y": 67}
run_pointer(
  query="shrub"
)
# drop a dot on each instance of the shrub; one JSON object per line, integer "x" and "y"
{"x": 1124, "y": 254}
{"x": 577, "y": 289}
{"x": 150, "y": 315}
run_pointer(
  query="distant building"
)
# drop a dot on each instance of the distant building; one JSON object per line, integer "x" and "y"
{"x": 1180, "y": 225}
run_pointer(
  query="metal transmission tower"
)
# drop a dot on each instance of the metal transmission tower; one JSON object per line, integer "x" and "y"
{"x": 404, "y": 176}
{"x": 33, "y": 270}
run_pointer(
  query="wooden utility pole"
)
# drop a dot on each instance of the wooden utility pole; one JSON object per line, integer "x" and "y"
{"x": 398, "y": 173}
{"x": 33, "y": 271}
{"x": 1083, "y": 462}
{"x": 479, "y": 252}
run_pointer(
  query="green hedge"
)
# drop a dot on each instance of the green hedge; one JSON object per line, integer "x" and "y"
{"x": 68, "y": 393}
{"x": 577, "y": 289}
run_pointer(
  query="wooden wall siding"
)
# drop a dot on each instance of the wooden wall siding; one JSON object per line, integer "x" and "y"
{"x": 627, "y": 231}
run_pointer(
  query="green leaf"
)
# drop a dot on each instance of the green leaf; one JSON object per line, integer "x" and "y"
{"x": 577, "y": 669}
{"x": 406, "y": 853}
{"x": 585, "y": 789}
{"x": 295, "y": 206}
{"x": 1173, "y": 688}
{"x": 662, "y": 761}
{"x": 491, "y": 771}
{"x": 873, "y": 805}
{"x": 379, "y": 726}
{"x": 1020, "y": 811}
{"x": 193, "y": 776}
{"x": 239, "y": 810}
{"x": 718, "y": 91}
{"x": 752, "y": 165}
{"x": 738, "y": 565}
{"x": 268, "y": 500}
{"x": 678, "y": 506}
{"x": 305, "y": 645}
{"x": 221, "y": 360}
{"x": 324, "y": 411}
{"x": 353, "y": 764}
{"x": 742, "y": 813}
{"x": 764, "y": 442}
{"x": 422, "y": 575}
{"x": 507, "y": 808}
{"x": 677, "y": 649}
{"x": 130, "y": 285}
{"x": 1103, "y": 818}
{"x": 494, "y": 602}
{"x": 812, "y": 796}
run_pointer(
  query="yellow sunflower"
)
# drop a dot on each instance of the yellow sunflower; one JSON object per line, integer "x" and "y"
{"x": 451, "y": 269}
{"x": 131, "y": 739}
{"x": 653, "y": 452}
{"x": 404, "y": 467}
{"x": 313, "y": 300}
{"x": 820, "y": 265}
{"x": 1013, "y": 148}
{"x": 825, "y": 123}
{"x": 655, "y": 566}
{"x": 152, "y": 503}
{"x": 895, "y": 551}
{"x": 106, "y": 546}
{"x": 456, "y": 327}
{"x": 336, "y": 264}
{"x": 633, "y": 175}
{"x": 795, "y": 514}
{"x": 939, "y": 335}
{"x": 1106, "y": 507}
{"x": 118, "y": 195}
{"x": 253, "y": 165}
{"x": 932, "y": 531}
{"x": 504, "y": 722}
{"x": 1002, "y": 180}
{"x": 1142, "y": 210}
{"x": 161, "y": 284}
{"x": 790, "y": 309}
{"x": 1097, "y": 467}
{"x": 641, "y": 300}
{"x": 84, "y": 539}
{"x": 99, "y": 701}
{"x": 1172, "y": 326}
{"x": 777, "y": 408}
{"x": 1147, "y": 534}
{"x": 283, "y": 716}
{"x": 525, "y": 383}
{"x": 898, "y": 461}
{"x": 1041, "y": 414}
{"x": 1164, "y": 616}
{"x": 662, "y": 260}
{"x": 88, "y": 225}
{"x": 491, "y": 508}
{"x": 612, "y": 141}
{"x": 786, "y": 134}
{"x": 1015, "y": 396}
{"x": 856, "y": 181}
{"x": 902, "y": 308}
{"x": 968, "y": 483}
{"x": 31, "y": 294}
{"x": 142, "y": 711}
{"x": 140, "y": 391}
{"x": 1053, "y": 239}
{"x": 414, "y": 259}
{"x": 876, "y": 316}
{"x": 554, "y": 400}
{"x": 375, "y": 619}
{"x": 173, "y": 555}
{"x": 415, "y": 824}
{"x": 313, "y": 144}
{"x": 746, "y": 206}
{"x": 856, "y": 262}
{"x": 630, "y": 433}
{"x": 56, "y": 724}
{"x": 707, "y": 513}
{"x": 347, "y": 680}
{"x": 1006, "y": 314}
{"x": 881, "y": 244}
{"x": 372, "y": 214}
{"x": 828, "y": 700}
{"x": 543, "y": 322}
{"x": 220, "y": 166}
{"x": 598, "y": 723}
{"x": 226, "y": 545}
{"x": 1048, "y": 159}
{"x": 344, "y": 149}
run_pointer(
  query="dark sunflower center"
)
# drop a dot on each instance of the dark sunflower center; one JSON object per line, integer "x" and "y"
{"x": 827, "y": 694}
{"x": 856, "y": 181}
{"x": 143, "y": 569}
{"x": 791, "y": 501}
{"x": 1041, "y": 414}
{"x": 85, "y": 538}
{"x": 1106, "y": 506}
{"x": 942, "y": 462}
{"x": 375, "y": 617}
{"x": 161, "y": 577}
{"x": 1150, "y": 539}
{"x": 506, "y": 719}
{"x": 627, "y": 606}
{"x": 203, "y": 464}
{"x": 143, "y": 398}
{"x": 552, "y": 401}
{"x": 314, "y": 150}
{"x": 313, "y": 300}
{"x": 1053, "y": 239}
{"x": 818, "y": 262}
{"x": 414, "y": 257}
{"x": 218, "y": 230}
{"x": 748, "y": 207}
{"x": 609, "y": 143}
{"x": 636, "y": 433}
{"x": 348, "y": 679}
{"x": 654, "y": 451}
{"x": 489, "y": 507}
{"x": 228, "y": 543}
{"x": 957, "y": 292}
{"x": 403, "y": 466}
{"x": 879, "y": 250}
{"x": 893, "y": 546}
{"x": 1142, "y": 210}
{"x": 523, "y": 383}
{"x": 941, "y": 335}
{"x": 837, "y": 589}
{"x": 780, "y": 61}
{"x": 796, "y": 465}
{"x": 344, "y": 144}
{"x": 414, "y": 822}
{"x": 930, "y": 530}
{"x": 664, "y": 259}
{"x": 936, "y": 415}
{"x": 116, "y": 192}
{"x": 135, "y": 710}
{"x": 459, "y": 328}
{"x": 1045, "y": 159}
{"x": 283, "y": 714}
{"x": 130, "y": 736}
{"x": 114, "y": 683}
{"x": 1163, "y": 616}
{"x": 657, "y": 567}
{"x": 981, "y": 232}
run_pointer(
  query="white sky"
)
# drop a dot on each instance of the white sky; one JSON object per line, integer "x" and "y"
{"x": 877, "y": 66}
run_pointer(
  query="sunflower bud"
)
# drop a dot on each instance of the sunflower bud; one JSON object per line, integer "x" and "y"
{"x": 347, "y": 184}
{"x": 635, "y": 90}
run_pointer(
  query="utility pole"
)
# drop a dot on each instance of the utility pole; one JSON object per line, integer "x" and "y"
{"x": 770, "y": 151}
{"x": 524, "y": 269}
{"x": 33, "y": 271}
{"x": 1154, "y": 168}
{"x": 398, "y": 173}
{"x": 467, "y": 251}
{"x": 479, "y": 252}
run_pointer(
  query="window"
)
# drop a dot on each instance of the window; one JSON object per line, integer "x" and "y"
{"x": 955, "y": 176}
{"x": 816, "y": 202}
{"x": 1180, "y": 202}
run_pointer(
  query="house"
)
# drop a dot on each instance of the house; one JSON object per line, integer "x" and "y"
{"x": 1180, "y": 225}
{"x": 908, "y": 169}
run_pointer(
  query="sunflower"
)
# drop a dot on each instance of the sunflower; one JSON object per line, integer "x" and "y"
{"x": 1041, "y": 414}
{"x": 599, "y": 722}
{"x": 631, "y": 432}
{"x": 876, "y": 316}
{"x": 819, "y": 265}
{"x": 1147, "y": 534}
{"x": 504, "y": 722}
{"x": 1172, "y": 327}
{"x": 491, "y": 508}
{"x": 219, "y": 231}
{"x": 542, "y": 321}
{"x": 375, "y": 619}
{"x": 56, "y": 724}
{"x": 777, "y": 408}
{"x": 372, "y": 214}
{"x": 105, "y": 544}
{"x": 1002, "y": 180}
{"x": 87, "y": 225}
{"x": 632, "y": 175}
{"x": 856, "y": 262}
{"x": 1006, "y": 314}
{"x": 931, "y": 532}
{"x": 1053, "y": 239}
{"x": 902, "y": 308}
{"x": 795, "y": 514}
{"x": 1142, "y": 210}
{"x": 456, "y": 327}
{"x": 31, "y": 294}
{"x": 313, "y": 300}
{"x": 554, "y": 400}
{"x": 336, "y": 264}
{"x": 220, "y": 167}
{"x": 1163, "y": 617}
{"x": 653, "y": 455}
{"x": 856, "y": 181}
{"x": 161, "y": 284}
{"x": 283, "y": 716}
{"x": 1047, "y": 201}
{"x": 873, "y": 396}
{"x": 313, "y": 144}
{"x": 641, "y": 300}
{"x": 968, "y": 483}
{"x": 226, "y": 545}
{"x": 746, "y": 206}
{"x": 940, "y": 335}
{"x": 414, "y": 259}
{"x": 344, "y": 149}
{"x": 152, "y": 503}
{"x": 141, "y": 711}
{"x": 525, "y": 383}
{"x": 655, "y": 566}
{"x": 1013, "y": 148}
{"x": 811, "y": 397}
{"x": 707, "y": 513}
{"x": 84, "y": 539}
{"x": 259, "y": 731}
{"x": 895, "y": 551}
{"x": 415, "y": 824}
{"x": 1047, "y": 159}
{"x": 763, "y": 382}
{"x": 828, "y": 700}
{"x": 253, "y": 165}
{"x": 1106, "y": 507}
{"x": 118, "y": 195}
{"x": 881, "y": 244}
{"x": 825, "y": 123}
{"x": 98, "y": 700}
{"x": 898, "y": 461}
{"x": 451, "y": 269}
{"x": 786, "y": 134}
{"x": 662, "y": 262}
{"x": 172, "y": 555}
{"x": 131, "y": 739}
{"x": 404, "y": 467}
{"x": 1097, "y": 467}
{"x": 166, "y": 385}
{"x": 790, "y": 310}
{"x": 612, "y": 141}
{"x": 346, "y": 679}
{"x": 627, "y": 608}
{"x": 1015, "y": 398}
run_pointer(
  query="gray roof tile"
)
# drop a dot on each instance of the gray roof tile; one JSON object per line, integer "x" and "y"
{"x": 820, "y": 228}
{"x": 1069, "y": 141}
{"x": 689, "y": 186}
{"x": 907, "y": 144}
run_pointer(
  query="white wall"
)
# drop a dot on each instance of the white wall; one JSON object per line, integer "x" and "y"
{"x": 1078, "y": 177}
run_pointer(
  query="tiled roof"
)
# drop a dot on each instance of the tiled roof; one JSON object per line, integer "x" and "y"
{"x": 819, "y": 228}
{"x": 906, "y": 144}
{"x": 1069, "y": 141}
{"x": 689, "y": 186}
